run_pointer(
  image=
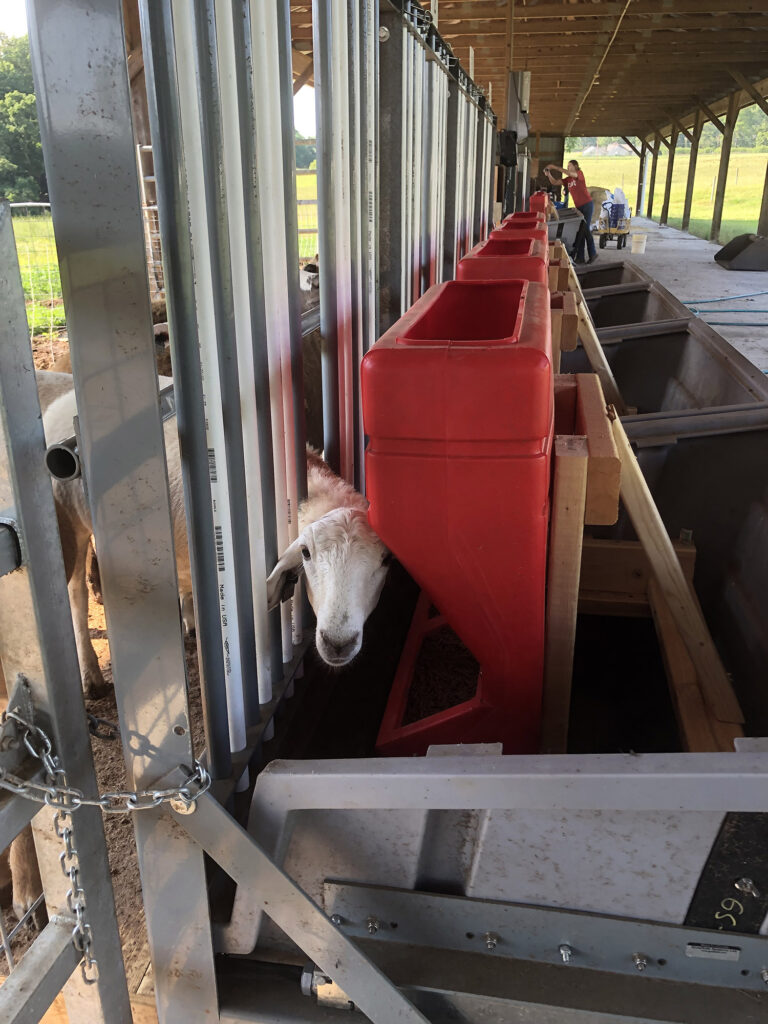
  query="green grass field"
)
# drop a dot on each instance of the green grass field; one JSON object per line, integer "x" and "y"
{"x": 306, "y": 188}
{"x": 746, "y": 175}
{"x": 39, "y": 272}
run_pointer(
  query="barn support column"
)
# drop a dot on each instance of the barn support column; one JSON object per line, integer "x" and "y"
{"x": 641, "y": 178}
{"x": 668, "y": 182}
{"x": 725, "y": 157}
{"x": 696, "y": 136}
{"x": 762, "y": 223}
{"x": 652, "y": 182}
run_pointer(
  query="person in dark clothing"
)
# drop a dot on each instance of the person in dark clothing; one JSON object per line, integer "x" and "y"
{"x": 573, "y": 180}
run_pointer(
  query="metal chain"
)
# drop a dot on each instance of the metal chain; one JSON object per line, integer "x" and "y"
{"x": 57, "y": 793}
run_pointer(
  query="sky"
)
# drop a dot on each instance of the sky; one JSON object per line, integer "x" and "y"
{"x": 13, "y": 22}
{"x": 13, "y": 17}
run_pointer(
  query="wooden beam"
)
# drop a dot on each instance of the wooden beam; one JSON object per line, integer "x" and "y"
{"x": 762, "y": 223}
{"x": 676, "y": 124}
{"x": 604, "y": 471}
{"x": 749, "y": 88}
{"x": 668, "y": 183}
{"x": 653, "y": 535}
{"x": 563, "y": 572}
{"x": 652, "y": 182}
{"x": 722, "y": 171}
{"x": 304, "y": 77}
{"x": 594, "y": 352}
{"x": 712, "y": 116}
{"x": 615, "y": 576}
{"x": 641, "y": 179}
{"x": 694, "y": 155}
{"x": 631, "y": 145}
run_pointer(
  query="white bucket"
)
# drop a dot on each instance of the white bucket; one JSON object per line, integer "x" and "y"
{"x": 638, "y": 243}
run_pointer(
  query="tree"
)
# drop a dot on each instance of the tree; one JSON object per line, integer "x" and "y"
{"x": 22, "y": 174}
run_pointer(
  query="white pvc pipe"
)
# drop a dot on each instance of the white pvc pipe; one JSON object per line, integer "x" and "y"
{"x": 209, "y": 368}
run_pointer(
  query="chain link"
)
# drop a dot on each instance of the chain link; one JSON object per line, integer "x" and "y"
{"x": 65, "y": 799}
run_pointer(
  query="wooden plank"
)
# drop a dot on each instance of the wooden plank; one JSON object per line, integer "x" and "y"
{"x": 653, "y": 535}
{"x": 559, "y": 275}
{"x": 749, "y": 88}
{"x": 668, "y": 181}
{"x": 604, "y": 478}
{"x": 565, "y": 304}
{"x": 690, "y": 707}
{"x": 722, "y": 171}
{"x": 556, "y": 320}
{"x": 563, "y": 572}
{"x": 619, "y": 571}
{"x": 693, "y": 157}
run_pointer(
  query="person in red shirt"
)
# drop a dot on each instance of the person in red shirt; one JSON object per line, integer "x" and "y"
{"x": 573, "y": 180}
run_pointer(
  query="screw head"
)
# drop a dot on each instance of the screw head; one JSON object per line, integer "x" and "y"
{"x": 373, "y": 925}
{"x": 491, "y": 940}
{"x": 383, "y": 33}
{"x": 640, "y": 960}
{"x": 566, "y": 952}
{"x": 764, "y": 975}
{"x": 183, "y": 806}
{"x": 746, "y": 885}
{"x": 337, "y": 919}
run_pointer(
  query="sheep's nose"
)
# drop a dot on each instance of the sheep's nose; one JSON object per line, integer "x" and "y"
{"x": 339, "y": 647}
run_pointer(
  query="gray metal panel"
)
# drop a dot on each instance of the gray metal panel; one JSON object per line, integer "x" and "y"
{"x": 92, "y": 178}
{"x": 391, "y": 198}
{"x": 15, "y": 814}
{"x": 245, "y": 861}
{"x": 35, "y": 598}
{"x": 520, "y": 932}
{"x": 41, "y": 975}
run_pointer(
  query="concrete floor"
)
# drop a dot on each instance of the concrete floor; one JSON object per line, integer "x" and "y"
{"x": 685, "y": 265}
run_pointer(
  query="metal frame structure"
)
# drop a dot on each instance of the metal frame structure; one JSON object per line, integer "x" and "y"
{"x": 219, "y": 73}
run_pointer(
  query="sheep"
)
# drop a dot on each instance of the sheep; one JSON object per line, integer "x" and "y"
{"x": 75, "y": 523}
{"x": 344, "y": 562}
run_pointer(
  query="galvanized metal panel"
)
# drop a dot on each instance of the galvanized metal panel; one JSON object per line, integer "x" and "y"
{"x": 41, "y": 975}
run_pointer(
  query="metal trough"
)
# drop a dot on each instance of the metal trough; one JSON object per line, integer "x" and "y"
{"x": 605, "y": 274}
{"x": 636, "y": 302}
{"x": 675, "y": 366}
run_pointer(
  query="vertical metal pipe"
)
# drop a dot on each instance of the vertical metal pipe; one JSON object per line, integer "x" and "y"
{"x": 322, "y": 20}
{"x": 390, "y": 169}
{"x": 265, "y": 69}
{"x": 450, "y": 220}
{"x": 417, "y": 164}
{"x": 407, "y": 172}
{"x": 199, "y": 123}
{"x": 355, "y": 80}
{"x": 249, "y": 320}
{"x": 178, "y": 274}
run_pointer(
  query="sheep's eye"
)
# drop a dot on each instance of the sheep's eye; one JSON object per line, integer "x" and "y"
{"x": 305, "y": 553}
{"x": 387, "y": 559}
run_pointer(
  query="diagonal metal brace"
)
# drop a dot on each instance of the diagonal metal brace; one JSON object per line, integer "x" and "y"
{"x": 298, "y": 916}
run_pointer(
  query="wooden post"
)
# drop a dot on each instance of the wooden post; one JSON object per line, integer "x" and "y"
{"x": 652, "y": 182}
{"x": 683, "y": 606}
{"x": 563, "y": 573}
{"x": 725, "y": 156}
{"x": 762, "y": 223}
{"x": 668, "y": 182}
{"x": 640, "y": 177}
{"x": 692, "y": 169}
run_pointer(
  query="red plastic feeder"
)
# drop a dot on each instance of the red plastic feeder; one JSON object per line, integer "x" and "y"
{"x": 522, "y": 229}
{"x": 506, "y": 258}
{"x": 538, "y": 202}
{"x": 457, "y": 403}
{"x": 531, "y": 218}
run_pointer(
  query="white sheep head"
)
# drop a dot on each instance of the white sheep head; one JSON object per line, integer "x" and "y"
{"x": 345, "y": 565}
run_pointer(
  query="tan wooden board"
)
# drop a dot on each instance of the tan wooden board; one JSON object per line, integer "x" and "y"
{"x": 566, "y": 534}
{"x": 604, "y": 462}
{"x": 650, "y": 529}
{"x": 615, "y": 575}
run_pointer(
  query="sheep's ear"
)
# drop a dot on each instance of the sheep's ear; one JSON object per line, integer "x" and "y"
{"x": 285, "y": 576}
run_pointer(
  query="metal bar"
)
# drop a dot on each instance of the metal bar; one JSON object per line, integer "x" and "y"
{"x": 451, "y": 210}
{"x": 293, "y": 911}
{"x": 322, "y": 33}
{"x": 36, "y": 636}
{"x": 641, "y": 179}
{"x": 595, "y": 942}
{"x": 248, "y": 270}
{"x": 92, "y": 178}
{"x": 40, "y": 976}
{"x": 15, "y": 814}
{"x": 356, "y": 226}
{"x": 391, "y": 195}
{"x": 10, "y": 553}
{"x": 280, "y": 280}
{"x": 164, "y": 116}
{"x": 644, "y": 782}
